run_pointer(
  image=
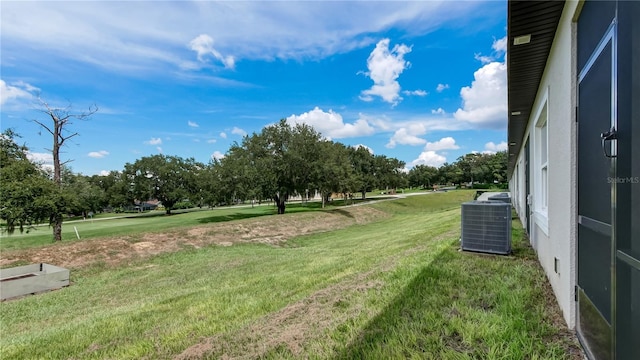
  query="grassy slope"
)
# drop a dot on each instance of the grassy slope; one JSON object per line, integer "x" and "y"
{"x": 422, "y": 298}
{"x": 154, "y": 221}
{"x": 127, "y": 224}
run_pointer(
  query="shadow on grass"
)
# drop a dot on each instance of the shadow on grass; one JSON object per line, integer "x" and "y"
{"x": 464, "y": 305}
{"x": 343, "y": 213}
{"x": 296, "y": 207}
{"x": 159, "y": 213}
{"x": 229, "y": 217}
{"x": 411, "y": 324}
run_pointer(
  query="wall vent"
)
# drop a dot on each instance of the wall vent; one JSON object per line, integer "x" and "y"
{"x": 486, "y": 227}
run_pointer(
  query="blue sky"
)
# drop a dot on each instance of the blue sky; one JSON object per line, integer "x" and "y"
{"x": 424, "y": 82}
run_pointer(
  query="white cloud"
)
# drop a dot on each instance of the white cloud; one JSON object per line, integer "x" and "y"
{"x": 446, "y": 143}
{"x": 492, "y": 148}
{"x": 483, "y": 58}
{"x": 15, "y": 91}
{"x": 485, "y": 101}
{"x": 104, "y": 173}
{"x": 385, "y": 66}
{"x": 193, "y": 124}
{"x": 238, "y": 131}
{"x": 418, "y": 92}
{"x": 152, "y": 35}
{"x": 98, "y": 154}
{"x": 429, "y": 157}
{"x": 203, "y": 45}
{"x": 211, "y": 141}
{"x": 44, "y": 160}
{"x": 442, "y": 87}
{"x": 330, "y": 124}
{"x": 40, "y": 158}
{"x": 377, "y": 121}
{"x": 500, "y": 45}
{"x": 408, "y": 136}
{"x": 417, "y": 125}
{"x": 159, "y": 149}
{"x": 223, "y": 135}
{"x": 153, "y": 141}
{"x": 30, "y": 88}
{"x": 439, "y": 111}
{"x": 217, "y": 155}
{"x": 370, "y": 150}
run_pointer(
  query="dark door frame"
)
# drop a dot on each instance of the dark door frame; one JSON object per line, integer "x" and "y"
{"x": 596, "y": 315}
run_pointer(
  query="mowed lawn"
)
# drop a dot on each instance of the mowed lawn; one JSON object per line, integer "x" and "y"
{"x": 106, "y": 225}
{"x": 395, "y": 288}
{"x": 126, "y": 224}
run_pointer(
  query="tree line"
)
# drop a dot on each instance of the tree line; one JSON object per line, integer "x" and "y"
{"x": 280, "y": 162}
{"x": 473, "y": 169}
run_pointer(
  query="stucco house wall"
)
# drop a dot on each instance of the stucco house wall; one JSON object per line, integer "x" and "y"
{"x": 553, "y": 202}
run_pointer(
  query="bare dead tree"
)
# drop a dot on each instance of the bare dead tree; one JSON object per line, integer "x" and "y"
{"x": 61, "y": 120}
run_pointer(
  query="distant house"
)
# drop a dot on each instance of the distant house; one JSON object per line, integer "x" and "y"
{"x": 147, "y": 205}
{"x": 574, "y": 159}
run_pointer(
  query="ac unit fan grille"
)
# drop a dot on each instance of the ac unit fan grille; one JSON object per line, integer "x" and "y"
{"x": 486, "y": 227}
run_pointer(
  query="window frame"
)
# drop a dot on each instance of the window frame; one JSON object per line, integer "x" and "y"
{"x": 540, "y": 165}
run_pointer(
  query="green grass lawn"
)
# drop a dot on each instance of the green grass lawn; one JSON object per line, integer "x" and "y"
{"x": 154, "y": 221}
{"x": 397, "y": 288}
{"x": 129, "y": 224}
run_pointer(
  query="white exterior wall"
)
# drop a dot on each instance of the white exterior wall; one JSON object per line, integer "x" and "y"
{"x": 553, "y": 233}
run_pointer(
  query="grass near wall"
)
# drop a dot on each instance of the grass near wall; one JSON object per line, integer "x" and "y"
{"x": 396, "y": 288}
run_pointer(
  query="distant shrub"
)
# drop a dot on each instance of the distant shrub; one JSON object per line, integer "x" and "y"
{"x": 183, "y": 205}
{"x": 486, "y": 186}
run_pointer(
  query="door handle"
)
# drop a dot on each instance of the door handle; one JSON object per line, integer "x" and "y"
{"x": 612, "y": 134}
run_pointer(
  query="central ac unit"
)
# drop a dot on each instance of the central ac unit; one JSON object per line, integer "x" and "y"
{"x": 486, "y": 227}
{"x": 504, "y": 197}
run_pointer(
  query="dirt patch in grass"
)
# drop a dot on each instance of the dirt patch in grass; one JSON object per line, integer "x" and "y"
{"x": 289, "y": 329}
{"x": 274, "y": 230}
{"x": 301, "y": 324}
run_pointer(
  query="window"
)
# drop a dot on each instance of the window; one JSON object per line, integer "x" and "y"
{"x": 543, "y": 167}
{"x": 515, "y": 197}
{"x": 542, "y": 140}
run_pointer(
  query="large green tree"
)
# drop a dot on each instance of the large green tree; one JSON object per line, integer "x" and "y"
{"x": 449, "y": 173}
{"x": 389, "y": 172}
{"x": 423, "y": 176}
{"x": 27, "y": 196}
{"x": 285, "y": 158}
{"x": 87, "y": 195}
{"x": 238, "y": 179}
{"x": 169, "y": 179}
{"x": 335, "y": 173}
{"x": 498, "y": 166}
{"x": 279, "y": 162}
{"x": 118, "y": 189}
{"x": 483, "y": 168}
{"x": 210, "y": 184}
{"x": 363, "y": 163}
